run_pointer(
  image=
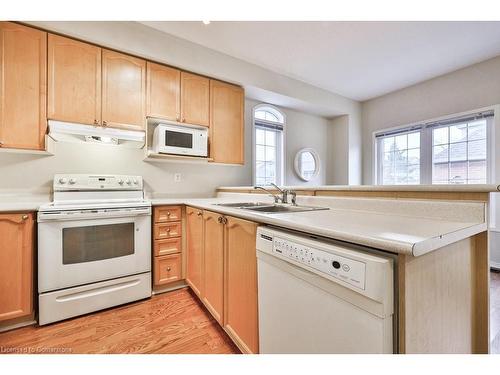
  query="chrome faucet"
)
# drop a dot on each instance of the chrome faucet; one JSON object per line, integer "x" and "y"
{"x": 284, "y": 194}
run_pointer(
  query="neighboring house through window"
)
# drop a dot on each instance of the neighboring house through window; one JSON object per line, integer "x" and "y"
{"x": 451, "y": 151}
{"x": 269, "y": 125}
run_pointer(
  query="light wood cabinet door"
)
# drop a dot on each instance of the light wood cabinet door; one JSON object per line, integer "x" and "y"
{"x": 213, "y": 263}
{"x": 74, "y": 80}
{"x": 123, "y": 91}
{"x": 240, "y": 284}
{"x": 164, "y": 92}
{"x": 195, "y": 99}
{"x": 16, "y": 265}
{"x": 194, "y": 255}
{"x": 226, "y": 123}
{"x": 23, "y": 87}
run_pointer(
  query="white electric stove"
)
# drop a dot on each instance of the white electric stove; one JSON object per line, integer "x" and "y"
{"x": 94, "y": 245}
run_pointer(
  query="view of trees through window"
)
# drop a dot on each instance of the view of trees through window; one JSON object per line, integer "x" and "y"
{"x": 454, "y": 153}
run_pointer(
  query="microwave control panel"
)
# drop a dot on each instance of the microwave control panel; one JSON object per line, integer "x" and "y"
{"x": 348, "y": 270}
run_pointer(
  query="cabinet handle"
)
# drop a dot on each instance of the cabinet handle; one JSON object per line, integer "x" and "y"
{"x": 104, "y": 123}
{"x": 1, "y": 143}
{"x": 169, "y": 269}
{"x": 168, "y": 229}
{"x": 183, "y": 119}
{"x": 219, "y": 219}
{"x": 177, "y": 118}
{"x": 168, "y": 213}
{"x": 25, "y": 217}
{"x": 96, "y": 123}
{"x": 199, "y": 213}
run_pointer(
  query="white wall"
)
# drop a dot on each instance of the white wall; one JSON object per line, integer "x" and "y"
{"x": 35, "y": 173}
{"x": 301, "y": 130}
{"x": 467, "y": 89}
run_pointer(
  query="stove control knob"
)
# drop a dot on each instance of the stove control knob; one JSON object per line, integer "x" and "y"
{"x": 120, "y": 182}
{"x": 129, "y": 182}
{"x": 72, "y": 181}
{"x": 63, "y": 180}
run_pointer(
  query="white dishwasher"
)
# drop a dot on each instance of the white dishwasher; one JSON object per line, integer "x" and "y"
{"x": 319, "y": 296}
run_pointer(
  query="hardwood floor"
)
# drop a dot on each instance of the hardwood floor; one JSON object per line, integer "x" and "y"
{"x": 174, "y": 322}
{"x": 495, "y": 312}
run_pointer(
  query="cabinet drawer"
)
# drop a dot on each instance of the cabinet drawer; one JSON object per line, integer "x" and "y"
{"x": 167, "y": 269}
{"x": 167, "y": 213}
{"x": 168, "y": 246}
{"x": 167, "y": 230}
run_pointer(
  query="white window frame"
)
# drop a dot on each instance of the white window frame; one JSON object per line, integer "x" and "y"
{"x": 280, "y": 146}
{"x": 426, "y": 145}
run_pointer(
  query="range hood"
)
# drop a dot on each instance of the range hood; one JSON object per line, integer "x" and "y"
{"x": 77, "y": 133}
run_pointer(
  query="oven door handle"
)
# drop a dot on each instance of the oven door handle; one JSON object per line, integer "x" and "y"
{"x": 92, "y": 214}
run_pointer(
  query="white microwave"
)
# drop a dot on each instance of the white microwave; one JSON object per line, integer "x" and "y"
{"x": 180, "y": 140}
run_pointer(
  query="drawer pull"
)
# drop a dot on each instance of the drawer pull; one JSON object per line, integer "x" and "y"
{"x": 169, "y": 269}
{"x": 168, "y": 229}
{"x": 168, "y": 213}
{"x": 25, "y": 217}
{"x": 199, "y": 213}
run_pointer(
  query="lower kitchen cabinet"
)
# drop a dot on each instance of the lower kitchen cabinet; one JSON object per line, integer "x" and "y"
{"x": 16, "y": 265}
{"x": 167, "y": 246}
{"x": 167, "y": 269}
{"x": 240, "y": 284}
{"x": 194, "y": 254}
{"x": 222, "y": 271}
{"x": 213, "y": 263}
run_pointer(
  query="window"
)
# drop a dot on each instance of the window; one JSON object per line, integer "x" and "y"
{"x": 268, "y": 152}
{"x": 452, "y": 151}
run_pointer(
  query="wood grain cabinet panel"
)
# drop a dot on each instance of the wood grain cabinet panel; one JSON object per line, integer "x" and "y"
{"x": 195, "y": 99}
{"x": 123, "y": 91}
{"x": 240, "y": 284}
{"x": 167, "y": 246}
{"x": 167, "y": 230}
{"x": 226, "y": 123}
{"x": 16, "y": 265}
{"x": 167, "y": 269}
{"x": 194, "y": 254}
{"x": 23, "y": 86}
{"x": 163, "y": 92}
{"x": 74, "y": 76}
{"x": 167, "y": 213}
{"x": 213, "y": 263}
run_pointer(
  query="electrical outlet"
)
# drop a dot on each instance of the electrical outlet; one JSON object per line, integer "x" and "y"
{"x": 177, "y": 177}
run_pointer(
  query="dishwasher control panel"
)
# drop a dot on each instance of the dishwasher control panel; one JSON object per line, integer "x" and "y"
{"x": 348, "y": 270}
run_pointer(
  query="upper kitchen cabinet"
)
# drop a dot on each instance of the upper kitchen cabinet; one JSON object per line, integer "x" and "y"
{"x": 123, "y": 91}
{"x": 74, "y": 76}
{"x": 16, "y": 265}
{"x": 195, "y": 99}
{"x": 23, "y": 85}
{"x": 164, "y": 92}
{"x": 226, "y": 123}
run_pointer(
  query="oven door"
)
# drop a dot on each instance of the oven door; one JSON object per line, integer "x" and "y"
{"x": 86, "y": 249}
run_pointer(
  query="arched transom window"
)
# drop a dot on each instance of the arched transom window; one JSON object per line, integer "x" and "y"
{"x": 269, "y": 125}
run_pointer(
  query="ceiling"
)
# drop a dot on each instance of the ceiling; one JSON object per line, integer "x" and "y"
{"x": 359, "y": 60}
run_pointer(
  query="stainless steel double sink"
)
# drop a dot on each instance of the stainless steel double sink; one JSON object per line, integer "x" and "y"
{"x": 270, "y": 208}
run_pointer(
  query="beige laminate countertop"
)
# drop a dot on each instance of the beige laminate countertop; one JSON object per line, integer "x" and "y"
{"x": 477, "y": 188}
{"x": 385, "y": 231}
{"x": 395, "y": 233}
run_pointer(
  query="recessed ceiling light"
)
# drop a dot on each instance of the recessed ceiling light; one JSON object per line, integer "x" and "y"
{"x": 206, "y": 22}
